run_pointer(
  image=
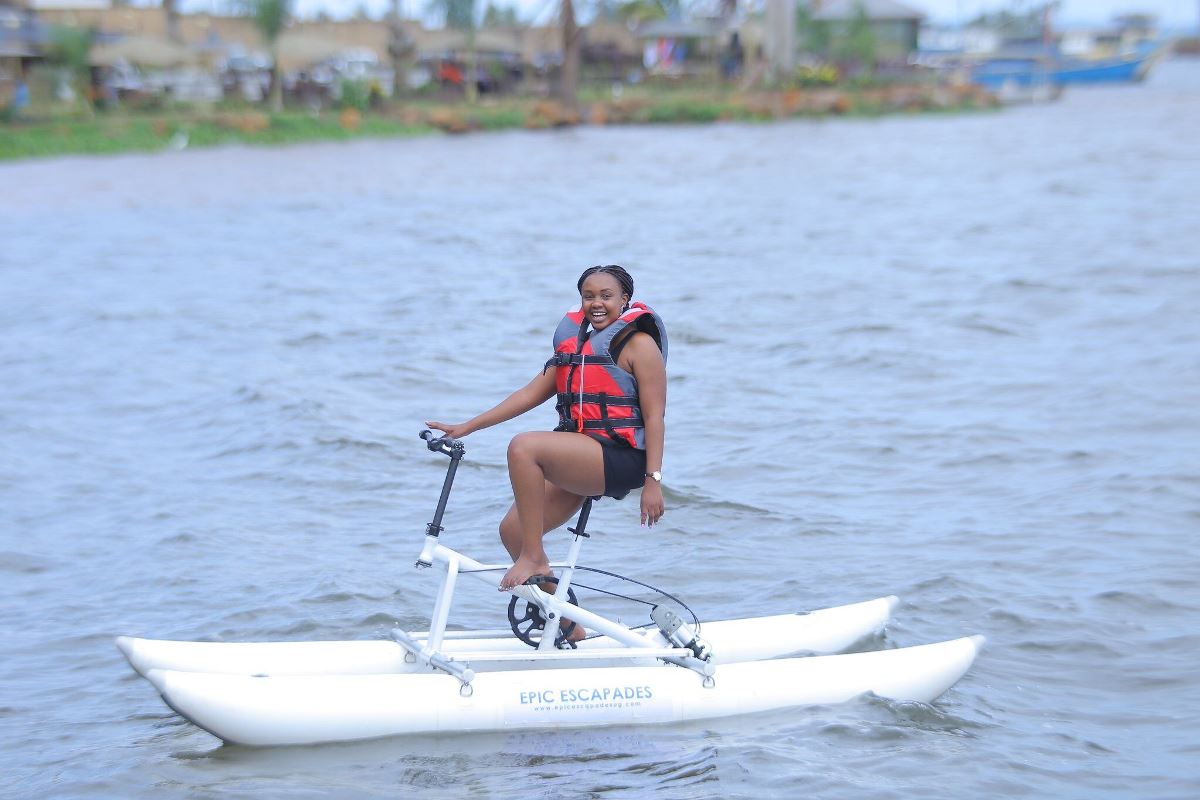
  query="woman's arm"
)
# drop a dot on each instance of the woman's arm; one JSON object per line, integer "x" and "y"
{"x": 531, "y": 395}
{"x": 642, "y": 357}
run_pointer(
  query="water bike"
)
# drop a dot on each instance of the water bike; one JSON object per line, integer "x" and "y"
{"x": 531, "y": 675}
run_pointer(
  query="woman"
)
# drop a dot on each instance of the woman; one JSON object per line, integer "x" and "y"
{"x": 611, "y": 385}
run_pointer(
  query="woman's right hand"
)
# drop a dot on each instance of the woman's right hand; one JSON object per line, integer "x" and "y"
{"x": 456, "y": 430}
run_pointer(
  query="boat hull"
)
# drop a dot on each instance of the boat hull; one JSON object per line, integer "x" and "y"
{"x": 310, "y": 709}
{"x": 1024, "y": 72}
{"x": 825, "y": 631}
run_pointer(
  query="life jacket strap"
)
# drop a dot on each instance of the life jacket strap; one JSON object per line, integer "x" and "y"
{"x": 575, "y": 360}
{"x": 574, "y": 398}
{"x": 607, "y": 425}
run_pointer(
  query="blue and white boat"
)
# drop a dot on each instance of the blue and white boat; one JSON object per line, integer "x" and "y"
{"x": 1006, "y": 71}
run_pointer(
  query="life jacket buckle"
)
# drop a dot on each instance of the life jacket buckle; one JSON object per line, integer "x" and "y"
{"x": 557, "y": 360}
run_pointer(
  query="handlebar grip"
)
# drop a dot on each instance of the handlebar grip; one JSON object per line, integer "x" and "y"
{"x": 442, "y": 444}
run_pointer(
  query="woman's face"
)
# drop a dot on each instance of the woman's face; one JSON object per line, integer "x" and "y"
{"x": 602, "y": 299}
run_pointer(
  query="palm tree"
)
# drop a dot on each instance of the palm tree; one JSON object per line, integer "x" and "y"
{"x": 270, "y": 17}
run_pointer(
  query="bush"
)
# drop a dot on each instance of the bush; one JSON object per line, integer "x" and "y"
{"x": 807, "y": 77}
{"x": 354, "y": 95}
{"x": 682, "y": 112}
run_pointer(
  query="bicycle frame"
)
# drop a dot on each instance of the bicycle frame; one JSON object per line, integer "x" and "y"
{"x": 427, "y": 646}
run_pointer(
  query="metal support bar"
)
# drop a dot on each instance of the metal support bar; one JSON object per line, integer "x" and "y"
{"x": 705, "y": 668}
{"x": 490, "y": 633}
{"x": 441, "y": 608}
{"x": 463, "y": 672}
{"x": 564, "y": 585}
{"x": 593, "y": 654}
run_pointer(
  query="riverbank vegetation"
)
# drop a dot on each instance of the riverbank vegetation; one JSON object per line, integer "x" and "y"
{"x": 66, "y": 131}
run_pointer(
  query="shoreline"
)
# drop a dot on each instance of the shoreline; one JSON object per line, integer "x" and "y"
{"x": 192, "y": 127}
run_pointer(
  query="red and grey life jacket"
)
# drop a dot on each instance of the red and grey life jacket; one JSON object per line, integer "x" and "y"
{"x": 595, "y": 396}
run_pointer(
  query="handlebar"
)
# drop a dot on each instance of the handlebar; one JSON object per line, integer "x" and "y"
{"x": 443, "y": 444}
{"x": 450, "y": 446}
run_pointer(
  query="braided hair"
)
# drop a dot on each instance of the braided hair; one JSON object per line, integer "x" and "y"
{"x": 617, "y": 271}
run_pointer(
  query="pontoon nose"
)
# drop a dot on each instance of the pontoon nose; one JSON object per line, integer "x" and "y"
{"x": 128, "y": 647}
{"x": 158, "y": 677}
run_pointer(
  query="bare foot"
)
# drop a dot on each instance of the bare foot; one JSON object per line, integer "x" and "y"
{"x": 521, "y": 571}
{"x": 576, "y": 635}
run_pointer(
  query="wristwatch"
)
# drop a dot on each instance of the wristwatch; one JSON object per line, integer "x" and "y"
{"x": 656, "y": 475}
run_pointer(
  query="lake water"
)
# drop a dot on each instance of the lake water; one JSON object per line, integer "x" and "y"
{"x": 954, "y": 358}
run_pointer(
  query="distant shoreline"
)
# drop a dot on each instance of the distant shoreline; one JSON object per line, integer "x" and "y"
{"x": 191, "y": 127}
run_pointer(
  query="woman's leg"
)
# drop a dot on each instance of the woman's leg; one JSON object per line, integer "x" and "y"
{"x": 572, "y": 462}
{"x": 560, "y": 506}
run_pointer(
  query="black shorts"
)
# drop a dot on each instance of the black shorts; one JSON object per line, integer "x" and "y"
{"x": 624, "y": 469}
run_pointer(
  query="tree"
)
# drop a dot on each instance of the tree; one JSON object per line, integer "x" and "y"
{"x": 813, "y": 34}
{"x": 1016, "y": 23}
{"x": 270, "y": 17}
{"x": 456, "y": 14}
{"x": 638, "y": 11}
{"x": 568, "y": 84}
{"x": 171, "y": 9}
{"x": 70, "y": 48}
{"x": 500, "y": 16}
{"x": 859, "y": 44}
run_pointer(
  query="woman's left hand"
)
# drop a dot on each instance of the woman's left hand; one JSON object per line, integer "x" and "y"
{"x": 652, "y": 502}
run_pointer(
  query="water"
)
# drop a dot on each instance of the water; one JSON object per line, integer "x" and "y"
{"x": 948, "y": 357}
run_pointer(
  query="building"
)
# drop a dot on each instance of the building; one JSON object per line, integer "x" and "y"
{"x": 21, "y": 40}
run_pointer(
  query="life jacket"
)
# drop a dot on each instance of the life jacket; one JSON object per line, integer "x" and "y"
{"x": 595, "y": 396}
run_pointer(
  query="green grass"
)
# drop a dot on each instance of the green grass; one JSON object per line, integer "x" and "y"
{"x": 60, "y": 131}
{"x": 498, "y": 118}
{"x": 136, "y": 133}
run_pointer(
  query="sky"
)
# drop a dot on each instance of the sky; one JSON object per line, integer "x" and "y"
{"x": 1175, "y": 13}
{"x": 1178, "y": 15}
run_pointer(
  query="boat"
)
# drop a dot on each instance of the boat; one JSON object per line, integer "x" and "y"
{"x": 445, "y": 680}
{"x": 1030, "y": 70}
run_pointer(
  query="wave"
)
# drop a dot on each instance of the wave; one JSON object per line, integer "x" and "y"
{"x": 24, "y": 563}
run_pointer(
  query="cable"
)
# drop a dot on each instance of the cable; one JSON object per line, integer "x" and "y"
{"x": 668, "y": 595}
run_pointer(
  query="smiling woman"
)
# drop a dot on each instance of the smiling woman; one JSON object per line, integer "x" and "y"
{"x": 609, "y": 374}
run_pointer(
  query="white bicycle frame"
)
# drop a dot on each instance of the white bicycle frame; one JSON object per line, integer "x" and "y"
{"x": 426, "y": 646}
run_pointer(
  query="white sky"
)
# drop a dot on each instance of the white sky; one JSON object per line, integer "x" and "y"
{"x": 1172, "y": 14}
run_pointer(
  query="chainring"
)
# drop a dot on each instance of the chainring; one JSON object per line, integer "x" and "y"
{"x": 533, "y": 619}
